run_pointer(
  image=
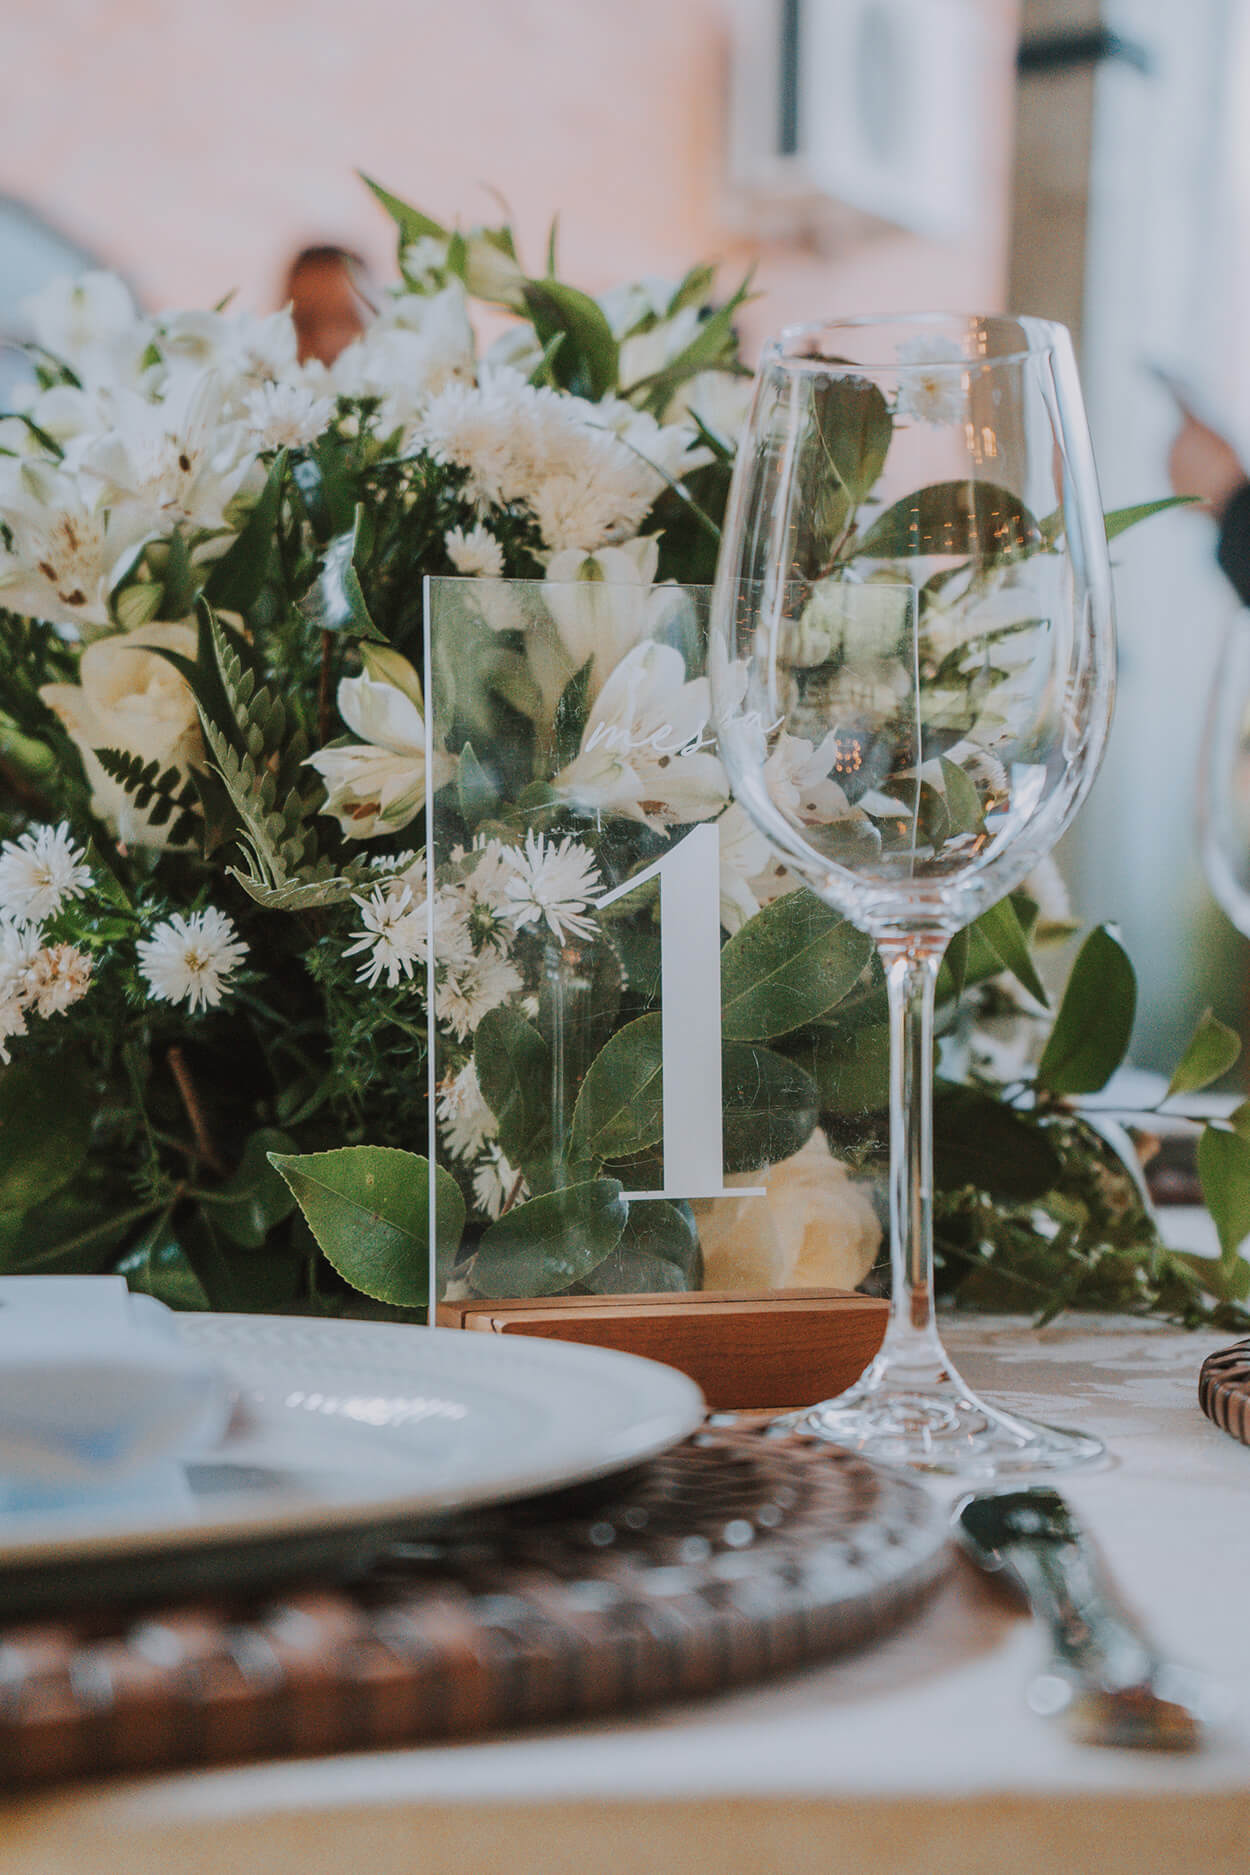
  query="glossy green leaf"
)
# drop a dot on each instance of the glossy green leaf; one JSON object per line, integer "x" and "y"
{"x": 368, "y": 1208}
{"x": 771, "y": 1106}
{"x": 514, "y": 1073}
{"x": 978, "y": 1141}
{"x": 236, "y": 579}
{"x": 66, "y": 1235}
{"x": 159, "y": 1266}
{"x": 256, "y": 1200}
{"x": 1001, "y": 928}
{"x": 45, "y": 1129}
{"x": 412, "y": 223}
{"x": 1119, "y": 520}
{"x": 963, "y": 519}
{"x": 544, "y": 1247}
{"x": 476, "y": 794}
{"x": 1224, "y": 1168}
{"x": 237, "y": 1281}
{"x": 853, "y": 1071}
{"x": 1211, "y": 1051}
{"x": 853, "y": 425}
{"x": 336, "y": 603}
{"x": 788, "y": 966}
{"x": 1094, "y": 1025}
{"x": 618, "y": 1111}
{"x": 658, "y": 1253}
{"x": 963, "y": 803}
{"x": 588, "y": 363}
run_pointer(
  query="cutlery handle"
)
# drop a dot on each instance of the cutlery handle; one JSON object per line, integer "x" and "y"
{"x": 1092, "y": 1634}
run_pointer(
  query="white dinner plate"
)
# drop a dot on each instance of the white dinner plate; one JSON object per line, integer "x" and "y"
{"x": 347, "y": 1433}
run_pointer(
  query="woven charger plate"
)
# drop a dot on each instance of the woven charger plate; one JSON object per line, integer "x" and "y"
{"x": 1224, "y": 1390}
{"x": 729, "y": 1558}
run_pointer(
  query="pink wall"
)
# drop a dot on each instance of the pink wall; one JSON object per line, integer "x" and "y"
{"x": 195, "y": 143}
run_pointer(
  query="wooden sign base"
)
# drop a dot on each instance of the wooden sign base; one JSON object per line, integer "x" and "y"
{"x": 790, "y": 1348}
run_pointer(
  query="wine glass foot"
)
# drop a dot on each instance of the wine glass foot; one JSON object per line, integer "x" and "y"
{"x": 935, "y": 1422}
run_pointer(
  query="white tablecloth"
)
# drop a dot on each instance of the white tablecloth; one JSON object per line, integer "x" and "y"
{"x": 917, "y": 1756}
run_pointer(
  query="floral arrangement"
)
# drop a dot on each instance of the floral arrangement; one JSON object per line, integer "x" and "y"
{"x": 216, "y": 774}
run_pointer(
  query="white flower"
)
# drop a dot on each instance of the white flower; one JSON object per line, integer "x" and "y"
{"x": 191, "y": 959}
{"x": 641, "y": 753}
{"x": 129, "y": 698}
{"x": 12, "y": 1024}
{"x": 605, "y": 603}
{"x": 394, "y": 931}
{"x": 799, "y": 778}
{"x": 497, "y": 1183}
{"x": 175, "y": 460}
{"x": 645, "y": 353}
{"x": 378, "y": 784}
{"x": 471, "y": 990}
{"x": 476, "y": 554}
{"x": 419, "y": 346}
{"x": 744, "y": 854}
{"x": 58, "y": 976}
{"x": 720, "y": 399}
{"x": 39, "y": 872}
{"x": 68, "y": 552}
{"x": 553, "y": 884}
{"x": 631, "y": 305}
{"x": 286, "y": 416}
{"x": 934, "y": 387}
{"x": 90, "y": 322}
{"x": 467, "y": 1122}
{"x": 20, "y": 944}
{"x": 814, "y": 1228}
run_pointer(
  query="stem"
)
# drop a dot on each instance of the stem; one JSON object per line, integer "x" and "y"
{"x": 911, "y": 971}
{"x": 195, "y": 1112}
{"x": 323, "y": 689}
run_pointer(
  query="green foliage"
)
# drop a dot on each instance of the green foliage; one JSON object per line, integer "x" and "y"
{"x": 548, "y": 1245}
{"x": 369, "y": 1209}
{"x": 968, "y": 519}
{"x": 788, "y": 966}
{"x": 1094, "y": 1024}
{"x": 168, "y": 799}
{"x": 45, "y": 1129}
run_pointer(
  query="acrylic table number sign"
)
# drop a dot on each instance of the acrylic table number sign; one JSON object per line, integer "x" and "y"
{"x": 639, "y": 1027}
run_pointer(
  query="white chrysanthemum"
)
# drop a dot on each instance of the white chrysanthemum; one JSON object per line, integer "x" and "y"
{"x": 20, "y": 944}
{"x": 394, "y": 934}
{"x": 553, "y": 885}
{"x": 12, "y": 1024}
{"x": 476, "y": 554}
{"x": 497, "y": 1183}
{"x": 39, "y": 872}
{"x": 191, "y": 959}
{"x": 466, "y": 1121}
{"x": 59, "y": 976}
{"x": 286, "y": 416}
{"x": 471, "y": 990}
{"x": 933, "y": 387}
{"x": 486, "y": 887}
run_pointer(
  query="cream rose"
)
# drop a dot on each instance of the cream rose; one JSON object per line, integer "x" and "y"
{"x": 815, "y": 1228}
{"x": 128, "y": 698}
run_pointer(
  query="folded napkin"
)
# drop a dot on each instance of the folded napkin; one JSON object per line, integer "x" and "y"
{"x": 96, "y": 1387}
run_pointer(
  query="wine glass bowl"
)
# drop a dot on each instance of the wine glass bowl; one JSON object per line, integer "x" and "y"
{"x": 912, "y": 670}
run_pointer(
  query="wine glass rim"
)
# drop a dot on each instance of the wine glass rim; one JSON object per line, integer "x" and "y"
{"x": 1039, "y": 336}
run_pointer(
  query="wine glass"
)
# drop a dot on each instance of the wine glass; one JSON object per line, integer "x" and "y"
{"x": 1224, "y": 778}
{"x": 913, "y": 669}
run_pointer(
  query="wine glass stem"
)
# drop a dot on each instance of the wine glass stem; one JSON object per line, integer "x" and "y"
{"x": 911, "y": 970}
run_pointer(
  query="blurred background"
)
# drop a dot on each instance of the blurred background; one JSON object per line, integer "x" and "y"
{"x": 1082, "y": 160}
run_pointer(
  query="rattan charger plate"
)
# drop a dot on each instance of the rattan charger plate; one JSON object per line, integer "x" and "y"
{"x": 1224, "y": 1390}
{"x": 727, "y": 1559}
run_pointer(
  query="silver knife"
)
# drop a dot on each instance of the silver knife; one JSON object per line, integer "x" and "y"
{"x": 1105, "y": 1676}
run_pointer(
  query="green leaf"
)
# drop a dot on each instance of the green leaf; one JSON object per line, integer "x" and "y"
{"x": 788, "y": 966}
{"x": 713, "y": 347}
{"x": 368, "y": 1208}
{"x": 159, "y": 1266}
{"x": 1001, "y": 928}
{"x": 853, "y": 424}
{"x": 1224, "y": 1168}
{"x": 571, "y": 713}
{"x": 589, "y": 361}
{"x": 1119, "y": 520}
{"x": 963, "y": 803}
{"x": 1095, "y": 1021}
{"x": 236, "y": 579}
{"x": 544, "y": 1247}
{"x": 979, "y": 1141}
{"x": 238, "y": 1281}
{"x": 46, "y": 1112}
{"x": 178, "y": 578}
{"x": 1211, "y": 1051}
{"x": 853, "y": 1071}
{"x": 618, "y": 1111}
{"x": 771, "y": 1107}
{"x": 514, "y": 1073}
{"x": 412, "y": 223}
{"x": 66, "y": 1235}
{"x": 658, "y": 1253}
{"x": 256, "y": 1199}
{"x": 955, "y": 964}
{"x": 476, "y": 793}
{"x": 336, "y": 603}
{"x": 965, "y": 519}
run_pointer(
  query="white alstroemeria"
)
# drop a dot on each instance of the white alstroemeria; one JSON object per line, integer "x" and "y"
{"x": 605, "y": 603}
{"x": 58, "y": 977}
{"x": 744, "y": 853}
{"x": 491, "y": 272}
{"x": 176, "y": 460}
{"x": 673, "y": 449}
{"x": 799, "y": 778}
{"x": 720, "y": 399}
{"x": 934, "y": 386}
{"x": 553, "y": 884}
{"x": 475, "y": 552}
{"x": 129, "y": 697}
{"x": 471, "y": 990}
{"x": 68, "y": 550}
{"x": 286, "y": 416}
{"x": 191, "y": 959}
{"x": 378, "y": 784}
{"x": 246, "y": 349}
{"x": 635, "y": 302}
{"x": 645, "y": 353}
{"x": 642, "y": 752}
{"x": 41, "y": 871}
{"x": 91, "y": 323}
{"x": 394, "y": 934}
{"x": 496, "y": 1184}
{"x": 465, "y": 1120}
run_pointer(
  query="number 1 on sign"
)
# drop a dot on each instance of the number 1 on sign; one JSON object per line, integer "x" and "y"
{"x": 690, "y": 1019}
